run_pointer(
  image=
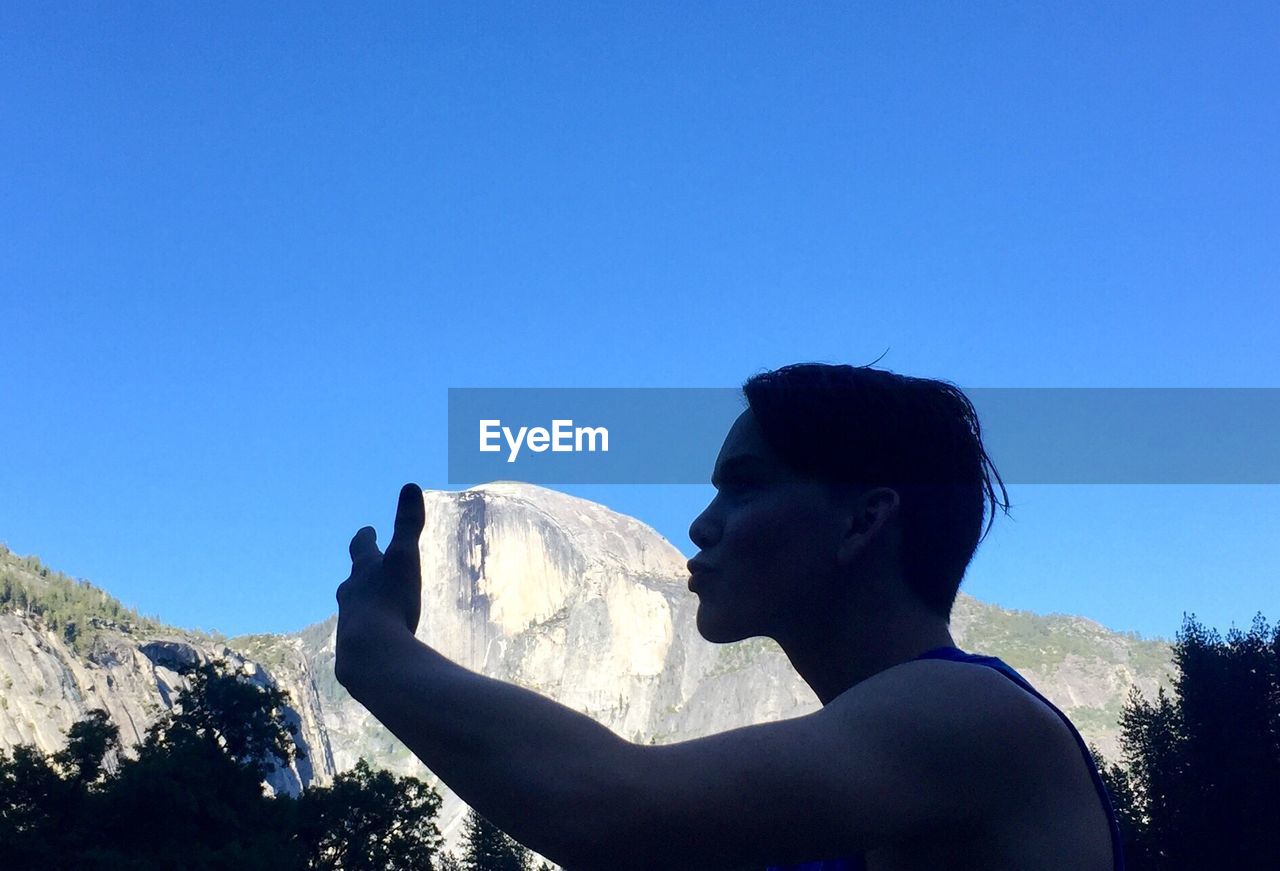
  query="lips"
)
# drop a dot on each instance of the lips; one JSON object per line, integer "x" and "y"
{"x": 697, "y": 570}
{"x": 697, "y": 566}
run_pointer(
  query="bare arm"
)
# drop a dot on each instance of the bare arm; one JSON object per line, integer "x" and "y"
{"x": 547, "y": 775}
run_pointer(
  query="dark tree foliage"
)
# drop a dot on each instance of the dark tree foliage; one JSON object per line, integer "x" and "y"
{"x": 243, "y": 719}
{"x": 193, "y": 796}
{"x": 1200, "y": 787}
{"x": 370, "y": 821}
{"x": 487, "y": 848}
{"x": 448, "y": 862}
{"x": 88, "y": 743}
{"x": 184, "y": 797}
{"x": 34, "y": 804}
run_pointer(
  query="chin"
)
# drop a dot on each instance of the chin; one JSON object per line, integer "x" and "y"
{"x": 716, "y": 632}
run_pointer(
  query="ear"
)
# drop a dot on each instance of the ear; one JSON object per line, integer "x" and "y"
{"x": 866, "y": 521}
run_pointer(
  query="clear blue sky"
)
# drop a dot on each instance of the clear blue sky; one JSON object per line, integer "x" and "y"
{"x": 246, "y": 250}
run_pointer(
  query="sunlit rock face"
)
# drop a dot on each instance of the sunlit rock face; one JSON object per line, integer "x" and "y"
{"x": 555, "y": 592}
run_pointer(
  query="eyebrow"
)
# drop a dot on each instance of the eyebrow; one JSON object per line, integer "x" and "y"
{"x": 737, "y": 465}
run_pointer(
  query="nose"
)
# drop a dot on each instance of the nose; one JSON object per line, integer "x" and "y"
{"x": 703, "y": 532}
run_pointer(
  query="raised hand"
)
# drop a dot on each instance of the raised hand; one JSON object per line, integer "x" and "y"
{"x": 383, "y": 594}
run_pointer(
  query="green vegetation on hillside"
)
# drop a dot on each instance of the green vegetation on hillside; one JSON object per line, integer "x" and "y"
{"x": 741, "y": 655}
{"x": 276, "y": 652}
{"x": 76, "y": 609}
{"x": 1038, "y": 642}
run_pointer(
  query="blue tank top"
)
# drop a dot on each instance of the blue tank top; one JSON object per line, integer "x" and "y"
{"x": 955, "y": 654}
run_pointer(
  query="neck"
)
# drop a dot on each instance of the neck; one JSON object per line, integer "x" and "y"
{"x": 841, "y": 649}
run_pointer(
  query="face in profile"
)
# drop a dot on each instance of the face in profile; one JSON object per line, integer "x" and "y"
{"x": 768, "y": 543}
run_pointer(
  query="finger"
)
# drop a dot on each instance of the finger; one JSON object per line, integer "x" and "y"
{"x": 364, "y": 547}
{"x": 410, "y": 517}
{"x": 402, "y": 552}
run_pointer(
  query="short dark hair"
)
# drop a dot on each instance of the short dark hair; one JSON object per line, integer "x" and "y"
{"x": 872, "y": 427}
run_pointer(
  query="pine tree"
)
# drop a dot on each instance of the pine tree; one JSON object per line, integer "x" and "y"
{"x": 1198, "y": 789}
{"x": 447, "y": 862}
{"x": 487, "y": 848}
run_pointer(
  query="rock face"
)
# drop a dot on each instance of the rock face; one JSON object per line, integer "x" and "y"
{"x": 564, "y": 597}
{"x": 47, "y": 687}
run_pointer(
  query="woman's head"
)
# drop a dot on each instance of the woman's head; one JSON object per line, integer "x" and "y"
{"x": 904, "y": 452}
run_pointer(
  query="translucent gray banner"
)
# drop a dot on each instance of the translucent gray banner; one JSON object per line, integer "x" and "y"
{"x": 637, "y": 435}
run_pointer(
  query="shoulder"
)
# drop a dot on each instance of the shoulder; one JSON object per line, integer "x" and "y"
{"x": 924, "y": 749}
{"x": 959, "y": 718}
{"x": 1006, "y": 764}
